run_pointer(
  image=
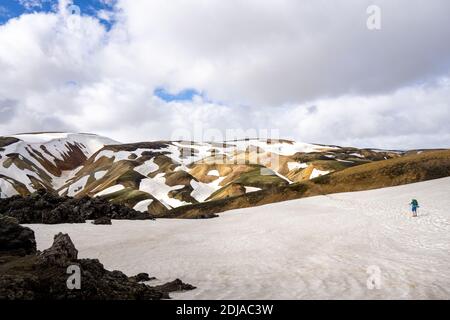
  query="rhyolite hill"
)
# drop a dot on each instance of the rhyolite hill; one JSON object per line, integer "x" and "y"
{"x": 193, "y": 179}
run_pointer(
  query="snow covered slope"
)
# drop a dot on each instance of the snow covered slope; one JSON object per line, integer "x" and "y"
{"x": 43, "y": 160}
{"x": 319, "y": 247}
{"x": 177, "y": 173}
{"x": 163, "y": 175}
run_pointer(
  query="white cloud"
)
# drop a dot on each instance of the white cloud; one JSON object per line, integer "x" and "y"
{"x": 407, "y": 118}
{"x": 32, "y": 4}
{"x": 267, "y": 61}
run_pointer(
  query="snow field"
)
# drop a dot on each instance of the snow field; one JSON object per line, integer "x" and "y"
{"x": 314, "y": 248}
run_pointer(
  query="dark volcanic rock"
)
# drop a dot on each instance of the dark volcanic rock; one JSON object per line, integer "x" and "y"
{"x": 15, "y": 239}
{"x": 61, "y": 253}
{"x": 102, "y": 221}
{"x": 176, "y": 285}
{"x": 17, "y": 287}
{"x": 63, "y": 213}
{"x": 142, "y": 277}
{"x": 44, "y": 276}
{"x": 49, "y": 208}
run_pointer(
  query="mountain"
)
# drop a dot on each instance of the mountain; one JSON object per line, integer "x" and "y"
{"x": 169, "y": 177}
{"x": 29, "y": 162}
{"x": 411, "y": 168}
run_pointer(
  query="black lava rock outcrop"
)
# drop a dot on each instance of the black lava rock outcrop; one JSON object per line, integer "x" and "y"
{"x": 142, "y": 277}
{"x": 61, "y": 253}
{"x": 102, "y": 221}
{"x": 44, "y": 276}
{"x": 15, "y": 239}
{"x": 49, "y": 208}
{"x": 176, "y": 285}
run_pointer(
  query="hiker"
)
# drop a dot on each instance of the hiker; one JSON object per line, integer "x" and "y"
{"x": 414, "y": 205}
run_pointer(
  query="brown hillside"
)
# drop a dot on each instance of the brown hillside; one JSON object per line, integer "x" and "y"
{"x": 387, "y": 173}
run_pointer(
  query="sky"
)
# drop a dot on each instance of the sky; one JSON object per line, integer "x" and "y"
{"x": 312, "y": 70}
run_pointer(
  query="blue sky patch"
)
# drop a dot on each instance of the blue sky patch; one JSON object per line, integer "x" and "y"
{"x": 14, "y": 8}
{"x": 184, "y": 95}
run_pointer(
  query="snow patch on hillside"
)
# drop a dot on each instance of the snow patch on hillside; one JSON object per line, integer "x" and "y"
{"x": 100, "y": 174}
{"x": 201, "y": 190}
{"x": 317, "y": 173}
{"x": 77, "y": 186}
{"x": 41, "y": 137}
{"x": 214, "y": 173}
{"x": 283, "y": 148}
{"x": 116, "y": 188}
{"x": 56, "y": 142}
{"x": 21, "y": 175}
{"x": 147, "y": 167}
{"x": 142, "y": 206}
{"x": 297, "y": 165}
{"x": 251, "y": 189}
{"x": 358, "y": 155}
{"x": 6, "y": 188}
{"x": 158, "y": 188}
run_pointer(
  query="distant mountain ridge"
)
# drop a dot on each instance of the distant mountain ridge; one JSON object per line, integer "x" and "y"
{"x": 160, "y": 176}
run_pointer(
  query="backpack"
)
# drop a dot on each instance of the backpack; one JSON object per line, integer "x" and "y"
{"x": 415, "y": 203}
